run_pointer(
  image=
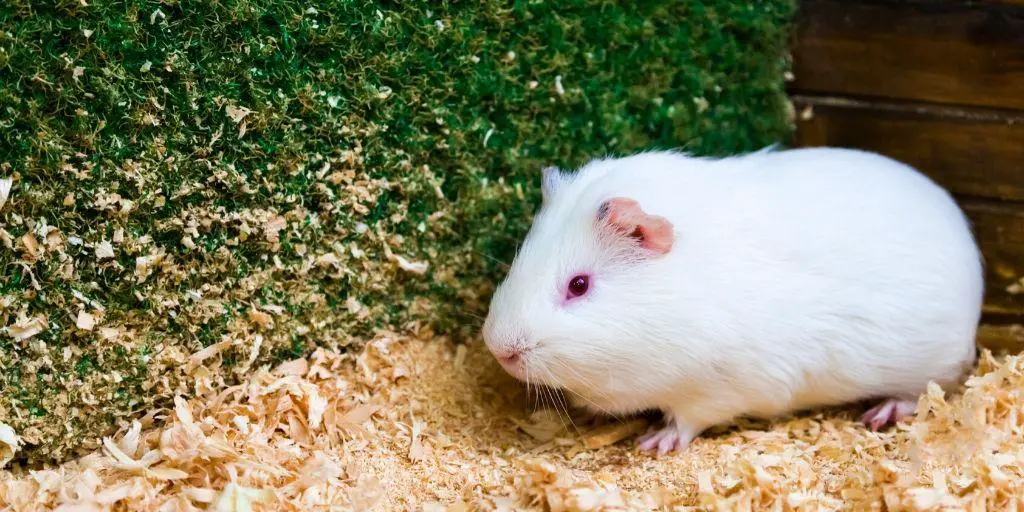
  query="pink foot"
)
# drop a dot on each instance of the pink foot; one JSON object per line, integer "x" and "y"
{"x": 668, "y": 439}
{"x": 888, "y": 412}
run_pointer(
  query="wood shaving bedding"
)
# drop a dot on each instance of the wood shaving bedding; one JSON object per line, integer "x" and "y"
{"x": 422, "y": 424}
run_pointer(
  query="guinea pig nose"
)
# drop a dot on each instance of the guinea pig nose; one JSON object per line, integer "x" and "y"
{"x": 509, "y": 356}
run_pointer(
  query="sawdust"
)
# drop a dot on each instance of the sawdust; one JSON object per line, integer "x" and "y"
{"x": 426, "y": 425}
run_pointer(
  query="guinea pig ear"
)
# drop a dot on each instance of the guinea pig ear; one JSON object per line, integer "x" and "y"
{"x": 628, "y": 219}
{"x": 551, "y": 179}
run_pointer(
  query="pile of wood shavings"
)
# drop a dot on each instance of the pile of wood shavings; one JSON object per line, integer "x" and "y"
{"x": 411, "y": 424}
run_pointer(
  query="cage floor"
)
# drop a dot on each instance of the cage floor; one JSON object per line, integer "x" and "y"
{"x": 424, "y": 424}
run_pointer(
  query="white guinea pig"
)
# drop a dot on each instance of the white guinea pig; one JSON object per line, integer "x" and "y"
{"x": 755, "y": 285}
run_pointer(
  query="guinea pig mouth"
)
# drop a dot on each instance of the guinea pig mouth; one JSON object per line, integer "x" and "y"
{"x": 509, "y": 360}
{"x": 512, "y": 361}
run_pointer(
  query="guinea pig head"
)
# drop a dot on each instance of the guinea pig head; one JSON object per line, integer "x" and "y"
{"x": 564, "y": 313}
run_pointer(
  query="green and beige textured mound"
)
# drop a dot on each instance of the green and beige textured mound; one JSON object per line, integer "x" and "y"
{"x": 243, "y": 181}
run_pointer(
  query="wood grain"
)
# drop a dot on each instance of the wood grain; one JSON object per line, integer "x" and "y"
{"x": 999, "y": 338}
{"x": 999, "y": 229}
{"x": 971, "y": 152}
{"x": 957, "y": 52}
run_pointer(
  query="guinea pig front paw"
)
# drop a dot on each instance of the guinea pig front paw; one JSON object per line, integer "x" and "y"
{"x": 889, "y": 412}
{"x": 670, "y": 438}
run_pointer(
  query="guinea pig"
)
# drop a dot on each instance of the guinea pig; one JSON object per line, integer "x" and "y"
{"x": 755, "y": 285}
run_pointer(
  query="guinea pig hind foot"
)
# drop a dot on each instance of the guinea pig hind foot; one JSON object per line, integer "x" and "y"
{"x": 888, "y": 412}
{"x": 673, "y": 437}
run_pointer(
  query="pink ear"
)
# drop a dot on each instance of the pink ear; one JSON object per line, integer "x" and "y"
{"x": 626, "y": 217}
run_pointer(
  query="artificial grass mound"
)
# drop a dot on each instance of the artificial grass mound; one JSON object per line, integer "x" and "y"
{"x": 243, "y": 181}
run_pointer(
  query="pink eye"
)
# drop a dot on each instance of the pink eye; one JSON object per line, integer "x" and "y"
{"x": 578, "y": 286}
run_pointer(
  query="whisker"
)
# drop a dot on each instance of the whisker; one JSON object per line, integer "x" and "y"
{"x": 589, "y": 385}
{"x": 586, "y": 382}
{"x": 560, "y": 405}
{"x": 558, "y": 410}
{"x": 526, "y": 380}
{"x": 477, "y": 320}
{"x": 471, "y": 315}
{"x": 533, "y": 390}
{"x": 493, "y": 259}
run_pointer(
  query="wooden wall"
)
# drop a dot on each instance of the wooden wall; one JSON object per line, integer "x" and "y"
{"x": 938, "y": 84}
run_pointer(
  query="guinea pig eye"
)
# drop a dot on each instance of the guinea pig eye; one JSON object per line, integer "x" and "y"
{"x": 578, "y": 286}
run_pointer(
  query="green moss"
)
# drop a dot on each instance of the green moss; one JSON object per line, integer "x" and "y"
{"x": 424, "y": 122}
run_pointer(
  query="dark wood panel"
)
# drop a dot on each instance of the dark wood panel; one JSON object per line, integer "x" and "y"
{"x": 999, "y": 229}
{"x": 971, "y": 152}
{"x": 960, "y": 52}
{"x": 998, "y": 338}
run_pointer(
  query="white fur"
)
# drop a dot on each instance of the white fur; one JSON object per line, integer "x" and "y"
{"x": 798, "y": 279}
